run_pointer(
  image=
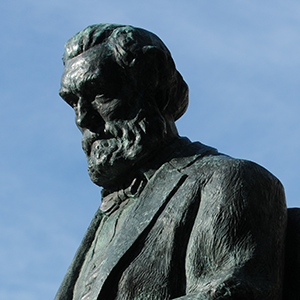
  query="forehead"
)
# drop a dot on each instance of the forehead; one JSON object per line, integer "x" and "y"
{"x": 94, "y": 63}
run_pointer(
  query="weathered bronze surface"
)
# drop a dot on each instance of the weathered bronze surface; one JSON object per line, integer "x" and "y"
{"x": 178, "y": 220}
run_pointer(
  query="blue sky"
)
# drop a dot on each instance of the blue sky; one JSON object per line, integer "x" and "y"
{"x": 240, "y": 59}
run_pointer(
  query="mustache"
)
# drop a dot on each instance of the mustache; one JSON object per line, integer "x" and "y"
{"x": 113, "y": 130}
{"x": 88, "y": 138}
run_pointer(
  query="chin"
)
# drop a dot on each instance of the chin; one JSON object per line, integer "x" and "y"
{"x": 113, "y": 176}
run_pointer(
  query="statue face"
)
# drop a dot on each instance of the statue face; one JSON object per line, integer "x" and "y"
{"x": 108, "y": 115}
{"x": 92, "y": 85}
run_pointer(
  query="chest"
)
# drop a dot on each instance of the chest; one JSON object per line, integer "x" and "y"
{"x": 148, "y": 268}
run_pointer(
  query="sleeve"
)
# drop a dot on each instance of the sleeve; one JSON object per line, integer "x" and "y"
{"x": 236, "y": 248}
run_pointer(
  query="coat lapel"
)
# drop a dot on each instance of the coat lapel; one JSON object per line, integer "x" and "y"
{"x": 158, "y": 191}
{"x": 65, "y": 291}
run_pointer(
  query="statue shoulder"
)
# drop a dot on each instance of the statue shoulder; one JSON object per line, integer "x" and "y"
{"x": 228, "y": 168}
{"x": 209, "y": 168}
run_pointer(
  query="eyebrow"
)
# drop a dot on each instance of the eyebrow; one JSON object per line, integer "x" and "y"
{"x": 63, "y": 92}
{"x": 68, "y": 96}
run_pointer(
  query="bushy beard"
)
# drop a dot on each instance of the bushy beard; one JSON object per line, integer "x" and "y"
{"x": 126, "y": 145}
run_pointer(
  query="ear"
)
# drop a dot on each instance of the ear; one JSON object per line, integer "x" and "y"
{"x": 171, "y": 91}
{"x": 153, "y": 67}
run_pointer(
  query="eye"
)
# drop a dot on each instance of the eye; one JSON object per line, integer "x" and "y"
{"x": 72, "y": 100}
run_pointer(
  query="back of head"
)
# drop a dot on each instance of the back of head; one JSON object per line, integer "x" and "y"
{"x": 145, "y": 59}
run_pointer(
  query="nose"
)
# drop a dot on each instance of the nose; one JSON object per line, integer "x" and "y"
{"x": 87, "y": 116}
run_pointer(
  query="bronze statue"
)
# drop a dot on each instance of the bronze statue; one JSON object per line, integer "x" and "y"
{"x": 178, "y": 220}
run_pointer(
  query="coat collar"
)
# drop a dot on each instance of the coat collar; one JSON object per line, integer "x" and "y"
{"x": 190, "y": 153}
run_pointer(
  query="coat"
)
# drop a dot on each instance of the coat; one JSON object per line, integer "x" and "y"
{"x": 206, "y": 226}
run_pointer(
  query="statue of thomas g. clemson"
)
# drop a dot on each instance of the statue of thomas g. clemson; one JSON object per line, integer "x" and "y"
{"x": 178, "y": 220}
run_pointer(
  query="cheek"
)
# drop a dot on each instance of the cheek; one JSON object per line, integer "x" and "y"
{"x": 111, "y": 111}
{"x": 117, "y": 110}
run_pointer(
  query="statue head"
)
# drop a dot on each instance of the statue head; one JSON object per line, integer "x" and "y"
{"x": 127, "y": 94}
